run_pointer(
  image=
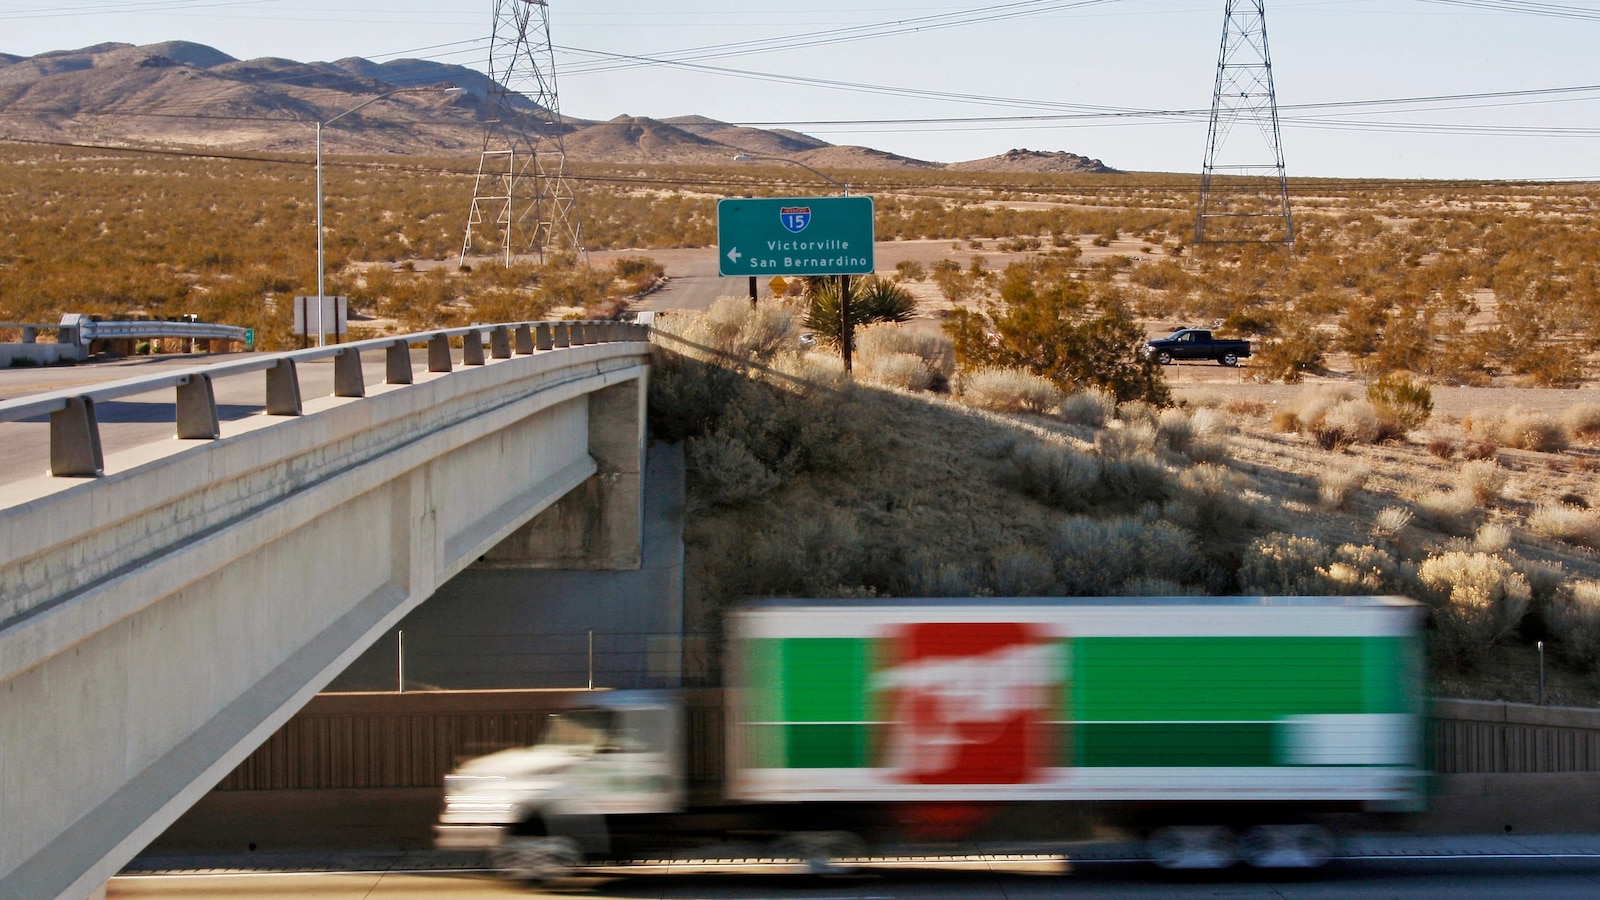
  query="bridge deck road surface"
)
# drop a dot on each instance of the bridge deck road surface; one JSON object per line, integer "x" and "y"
{"x": 148, "y": 418}
{"x": 1463, "y": 867}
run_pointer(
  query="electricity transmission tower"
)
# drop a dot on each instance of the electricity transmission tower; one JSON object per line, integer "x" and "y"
{"x": 1244, "y": 193}
{"x": 522, "y": 186}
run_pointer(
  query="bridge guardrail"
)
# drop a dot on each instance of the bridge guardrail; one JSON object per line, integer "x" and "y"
{"x": 75, "y": 450}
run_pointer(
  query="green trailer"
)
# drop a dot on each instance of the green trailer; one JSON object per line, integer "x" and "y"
{"x": 1258, "y": 710}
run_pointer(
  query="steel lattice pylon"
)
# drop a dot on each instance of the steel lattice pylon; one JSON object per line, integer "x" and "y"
{"x": 1244, "y": 191}
{"x": 522, "y": 184}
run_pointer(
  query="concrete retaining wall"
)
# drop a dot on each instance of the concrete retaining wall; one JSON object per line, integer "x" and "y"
{"x": 1477, "y": 737}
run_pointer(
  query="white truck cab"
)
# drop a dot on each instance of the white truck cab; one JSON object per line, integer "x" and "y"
{"x": 540, "y": 808}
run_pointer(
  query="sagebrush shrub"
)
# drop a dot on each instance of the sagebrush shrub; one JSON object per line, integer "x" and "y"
{"x": 1283, "y": 564}
{"x": 1058, "y": 476}
{"x": 1390, "y": 521}
{"x": 1443, "y": 448}
{"x": 932, "y": 575}
{"x": 1583, "y": 421}
{"x": 733, "y": 327}
{"x": 906, "y": 371}
{"x": 805, "y": 555}
{"x": 1519, "y": 428}
{"x": 1571, "y": 524}
{"x": 1095, "y": 558}
{"x": 1346, "y": 423}
{"x": 1211, "y": 502}
{"x": 1574, "y": 621}
{"x": 726, "y": 473}
{"x": 1009, "y": 390}
{"x": 1294, "y": 565}
{"x": 1337, "y": 484}
{"x": 1131, "y": 439}
{"x": 1016, "y": 570}
{"x": 1133, "y": 411}
{"x": 936, "y": 350}
{"x": 1134, "y": 480}
{"x": 1092, "y": 407}
{"x": 1491, "y": 537}
{"x": 1477, "y": 598}
{"x": 1482, "y": 479}
{"x": 1452, "y": 512}
{"x": 1401, "y": 400}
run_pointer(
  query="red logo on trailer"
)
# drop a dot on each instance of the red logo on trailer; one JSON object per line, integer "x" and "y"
{"x": 969, "y": 702}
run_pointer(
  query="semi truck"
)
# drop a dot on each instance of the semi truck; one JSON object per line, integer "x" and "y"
{"x": 1215, "y": 730}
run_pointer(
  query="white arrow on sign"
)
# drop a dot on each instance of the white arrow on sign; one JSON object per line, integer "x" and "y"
{"x": 734, "y": 255}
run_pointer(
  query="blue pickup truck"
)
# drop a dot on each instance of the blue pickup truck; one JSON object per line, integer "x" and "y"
{"x": 1196, "y": 343}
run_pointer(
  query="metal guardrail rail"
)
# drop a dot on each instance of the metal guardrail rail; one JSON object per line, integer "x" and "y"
{"x": 111, "y": 331}
{"x": 79, "y": 329}
{"x": 75, "y": 450}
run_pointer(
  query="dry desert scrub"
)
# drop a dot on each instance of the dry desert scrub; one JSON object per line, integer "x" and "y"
{"x": 732, "y": 327}
{"x": 1491, "y": 537}
{"x": 1292, "y": 565}
{"x": 1450, "y": 512}
{"x": 1096, "y": 558}
{"x": 1574, "y": 620}
{"x": 1582, "y": 422}
{"x": 1566, "y": 523}
{"x": 904, "y": 358}
{"x": 1093, "y": 408}
{"x": 1079, "y": 481}
{"x": 1390, "y": 521}
{"x": 1519, "y": 428}
{"x": 1482, "y": 479}
{"x": 1478, "y": 598}
{"x": 1338, "y": 484}
{"x": 1009, "y": 390}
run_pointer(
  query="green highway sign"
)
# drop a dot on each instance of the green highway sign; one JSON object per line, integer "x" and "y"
{"x": 795, "y": 236}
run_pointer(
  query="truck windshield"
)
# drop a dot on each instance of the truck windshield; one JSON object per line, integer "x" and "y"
{"x": 578, "y": 728}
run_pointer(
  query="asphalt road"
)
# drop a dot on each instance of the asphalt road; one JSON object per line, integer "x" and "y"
{"x": 1443, "y": 879}
{"x": 148, "y": 418}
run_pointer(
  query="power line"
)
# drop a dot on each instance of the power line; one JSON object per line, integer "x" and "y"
{"x": 1108, "y": 184}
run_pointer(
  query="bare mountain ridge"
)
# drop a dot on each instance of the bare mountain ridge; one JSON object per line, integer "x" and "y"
{"x": 184, "y": 94}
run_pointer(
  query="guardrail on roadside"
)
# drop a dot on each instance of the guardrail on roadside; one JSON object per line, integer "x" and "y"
{"x": 75, "y": 449}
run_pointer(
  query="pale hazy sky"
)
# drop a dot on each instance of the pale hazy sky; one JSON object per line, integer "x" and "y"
{"x": 939, "y": 81}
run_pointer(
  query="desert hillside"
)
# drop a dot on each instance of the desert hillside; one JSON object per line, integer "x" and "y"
{"x": 182, "y": 94}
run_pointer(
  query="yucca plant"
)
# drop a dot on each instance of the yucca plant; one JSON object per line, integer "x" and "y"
{"x": 872, "y": 300}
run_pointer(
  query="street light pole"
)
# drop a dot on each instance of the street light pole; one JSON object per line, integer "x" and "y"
{"x": 320, "y": 292}
{"x": 750, "y": 157}
{"x": 320, "y": 264}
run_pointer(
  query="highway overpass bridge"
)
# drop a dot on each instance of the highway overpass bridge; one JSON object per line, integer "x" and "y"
{"x": 164, "y": 608}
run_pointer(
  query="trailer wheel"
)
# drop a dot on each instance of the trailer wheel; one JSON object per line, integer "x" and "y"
{"x": 1287, "y": 846}
{"x": 537, "y": 859}
{"x": 1164, "y": 358}
{"x": 1229, "y": 359}
{"x": 1192, "y": 847}
{"x": 822, "y": 852}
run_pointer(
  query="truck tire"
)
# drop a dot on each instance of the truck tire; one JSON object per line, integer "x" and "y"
{"x": 537, "y": 859}
{"x": 1163, "y": 357}
{"x": 1229, "y": 359}
{"x": 1193, "y": 847}
{"x": 1287, "y": 847}
{"x": 822, "y": 852}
